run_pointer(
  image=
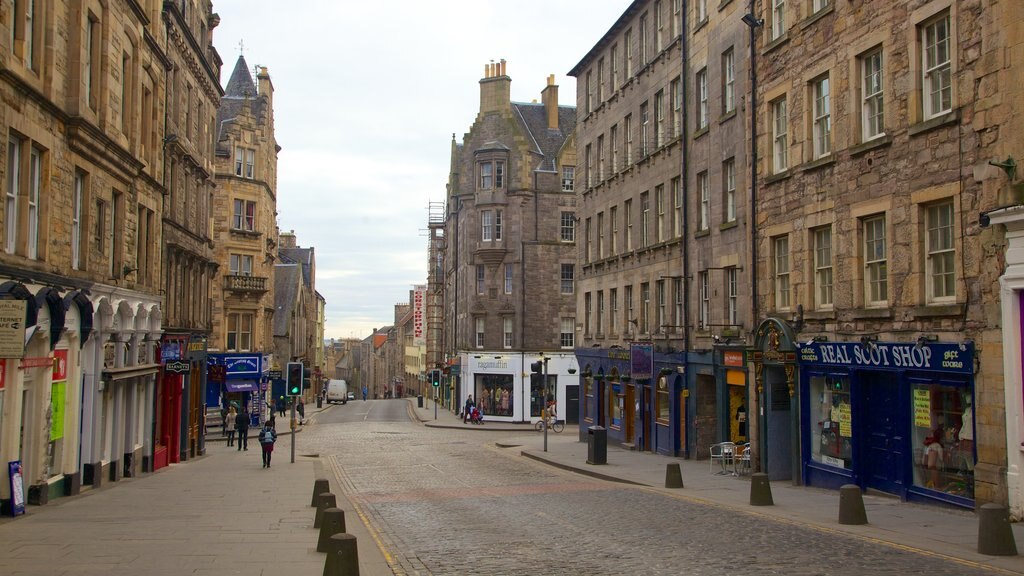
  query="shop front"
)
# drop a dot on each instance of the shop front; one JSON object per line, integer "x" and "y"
{"x": 890, "y": 416}
{"x": 241, "y": 384}
{"x": 504, "y": 391}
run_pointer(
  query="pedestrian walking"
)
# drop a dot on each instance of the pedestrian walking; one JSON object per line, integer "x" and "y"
{"x": 229, "y": 425}
{"x": 468, "y": 408}
{"x": 300, "y": 407}
{"x": 364, "y": 393}
{"x": 223, "y": 421}
{"x": 242, "y": 427}
{"x": 267, "y": 438}
{"x": 281, "y": 405}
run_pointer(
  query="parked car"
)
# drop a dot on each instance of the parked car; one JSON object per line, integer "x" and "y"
{"x": 351, "y": 395}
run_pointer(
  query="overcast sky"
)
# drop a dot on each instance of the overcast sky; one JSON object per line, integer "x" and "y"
{"x": 367, "y": 95}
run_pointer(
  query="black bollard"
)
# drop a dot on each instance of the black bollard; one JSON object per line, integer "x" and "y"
{"x": 760, "y": 490}
{"x": 342, "y": 556}
{"x": 320, "y": 485}
{"x": 851, "y": 505}
{"x": 995, "y": 536}
{"x": 331, "y": 522}
{"x": 673, "y": 476}
{"x": 327, "y": 500}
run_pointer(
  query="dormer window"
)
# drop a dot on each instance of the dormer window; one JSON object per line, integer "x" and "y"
{"x": 492, "y": 174}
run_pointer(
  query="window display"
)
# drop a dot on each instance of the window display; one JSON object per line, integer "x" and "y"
{"x": 943, "y": 439}
{"x": 831, "y": 421}
{"x": 663, "y": 403}
{"x": 615, "y": 404}
{"x": 494, "y": 394}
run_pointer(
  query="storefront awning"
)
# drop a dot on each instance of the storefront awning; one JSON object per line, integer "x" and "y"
{"x": 114, "y": 374}
{"x": 242, "y": 385}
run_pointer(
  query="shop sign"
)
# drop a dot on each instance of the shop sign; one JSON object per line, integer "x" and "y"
{"x": 12, "y": 328}
{"x": 957, "y": 358}
{"x": 641, "y": 360}
{"x": 237, "y": 365}
{"x": 178, "y": 367}
{"x": 274, "y": 375}
{"x": 37, "y": 362}
{"x": 196, "y": 348}
{"x": 58, "y": 393}
{"x": 922, "y": 408}
{"x": 732, "y": 358}
{"x": 216, "y": 373}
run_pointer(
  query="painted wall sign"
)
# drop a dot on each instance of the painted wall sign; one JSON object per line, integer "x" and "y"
{"x": 957, "y": 358}
{"x": 12, "y": 328}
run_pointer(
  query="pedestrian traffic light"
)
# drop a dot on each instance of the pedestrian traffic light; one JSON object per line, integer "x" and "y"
{"x": 294, "y": 378}
{"x": 435, "y": 378}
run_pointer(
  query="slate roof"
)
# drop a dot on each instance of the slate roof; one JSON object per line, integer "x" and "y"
{"x": 286, "y": 291}
{"x": 239, "y": 95}
{"x": 546, "y": 142}
{"x": 303, "y": 256}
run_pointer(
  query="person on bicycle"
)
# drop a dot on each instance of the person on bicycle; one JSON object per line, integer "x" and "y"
{"x": 551, "y": 411}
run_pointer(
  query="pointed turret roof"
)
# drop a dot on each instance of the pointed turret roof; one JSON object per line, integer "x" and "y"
{"x": 241, "y": 84}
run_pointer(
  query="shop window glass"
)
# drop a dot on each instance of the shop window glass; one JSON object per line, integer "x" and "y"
{"x": 662, "y": 401}
{"x": 615, "y": 404}
{"x": 494, "y": 394}
{"x": 537, "y": 393}
{"x": 831, "y": 422}
{"x": 943, "y": 439}
{"x": 588, "y": 394}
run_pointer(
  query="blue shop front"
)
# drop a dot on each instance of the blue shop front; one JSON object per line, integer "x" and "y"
{"x": 238, "y": 379}
{"x": 891, "y": 416}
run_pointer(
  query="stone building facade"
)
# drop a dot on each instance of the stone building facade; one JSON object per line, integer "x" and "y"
{"x": 510, "y": 252}
{"x": 189, "y": 266}
{"x": 664, "y": 256}
{"x": 879, "y": 288}
{"x": 245, "y": 241}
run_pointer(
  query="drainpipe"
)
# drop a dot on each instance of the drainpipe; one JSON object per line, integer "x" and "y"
{"x": 685, "y": 183}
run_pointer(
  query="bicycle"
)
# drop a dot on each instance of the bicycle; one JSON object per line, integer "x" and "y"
{"x": 555, "y": 425}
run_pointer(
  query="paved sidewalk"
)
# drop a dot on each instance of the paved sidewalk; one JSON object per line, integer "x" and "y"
{"x": 934, "y": 530}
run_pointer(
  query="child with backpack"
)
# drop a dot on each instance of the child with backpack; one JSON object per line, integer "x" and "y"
{"x": 267, "y": 438}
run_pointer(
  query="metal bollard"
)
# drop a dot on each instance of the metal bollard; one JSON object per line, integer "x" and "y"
{"x": 673, "y": 476}
{"x": 342, "y": 556}
{"x": 331, "y": 522}
{"x": 995, "y": 536}
{"x": 760, "y": 490}
{"x": 327, "y": 500}
{"x": 851, "y": 505}
{"x": 320, "y": 485}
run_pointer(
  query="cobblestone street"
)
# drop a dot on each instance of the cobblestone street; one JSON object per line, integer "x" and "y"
{"x": 452, "y": 502}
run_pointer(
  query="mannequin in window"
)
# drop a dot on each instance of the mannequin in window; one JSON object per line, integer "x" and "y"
{"x": 933, "y": 456}
{"x": 966, "y": 433}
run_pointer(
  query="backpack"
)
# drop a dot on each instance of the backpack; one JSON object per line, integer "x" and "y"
{"x": 264, "y": 436}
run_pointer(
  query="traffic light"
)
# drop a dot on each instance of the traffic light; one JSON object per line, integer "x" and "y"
{"x": 294, "y": 387}
{"x": 537, "y": 367}
{"x": 435, "y": 378}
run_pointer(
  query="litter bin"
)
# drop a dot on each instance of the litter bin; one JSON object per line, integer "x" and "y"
{"x": 597, "y": 445}
{"x": 419, "y": 401}
{"x": 319, "y": 401}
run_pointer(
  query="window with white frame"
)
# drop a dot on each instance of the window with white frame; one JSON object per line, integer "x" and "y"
{"x": 781, "y": 256}
{"x": 704, "y": 311}
{"x": 244, "y": 215}
{"x": 600, "y": 235}
{"x": 630, "y": 313}
{"x": 819, "y": 5}
{"x": 677, "y": 304}
{"x": 487, "y": 225}
{"x": 239, "y": 336}
{"x": 492, "y": 174}
{"x": 245, "y": 162}
{"x": 645, "y": 133}
{"x": 659, "y": 119}
{"x": 241, "y": 264}
{"x": 586, "y": 240}
{"x": 872, "y": 120}
{"x": 728, "y": 81}
{"x": 588, "y": 166}
{"x": 729, "y": 188}
{"x": 599, "y": 321}
{"x": 822, "y": 117}
{"x": 479, "y": 330}
{"x": 613, "y": 311}
{"x": 613, "y": 224}
{"x": 627, "y": 215}
{"x": 35, "y": 178}
{"x": 659, "y": 209}
{"x": 480, "y": 278}
{"x": 13, "y": 188}
{"x": 506, "y": 324}
{"x": 823, "y": 267}
{"x": 702, "y": 99}
{"x": 627, "y": 129}
{"x": 780, "y": 143}
{"x": 91, "y": 57}
{"x": 567, "y": 333}
{"x": 568, "y": 228}
{"x": 508, "y": 278}
{"x": 77, "y": 199}
{"x": 601, "y": 174}
{"x": 627, "y": 53}
{"x": 936, "y": 70}
{"x": 662, "y": 312}
{"x": 645, "y": 308}
{"x": 645, "y": 220}
{"x": 600, "y": 81}
{"x": 614, "y": 144}
{"x": 568, "y": 178}
{"x": 497, "y": 225}
{"x": 677, "y": 106}
{"x": 677, "y": 207}
{"x": 705, "y": 201}
{"x": 659, "y": 26}
{"x": 590, "y": 91}
{"x": 568, "y": 277}
{"x": 644, "y": 39}
{"x": 876, "y": 275}
{"x": 941, "y": 252}
{"x": 778, "y": 18}
{"x": 732, "y": 292}
{"x": 701, "y": 11}
{"x": 613, "y": 62}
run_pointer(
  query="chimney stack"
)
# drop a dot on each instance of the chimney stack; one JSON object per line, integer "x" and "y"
{"x": 495, "y": 88}
{"x": 549, "y": 96}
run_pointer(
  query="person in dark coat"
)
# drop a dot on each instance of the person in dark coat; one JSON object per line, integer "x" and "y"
{"x": 242, "y": 426}
{"x": 300, "y": 407}
{"x": 468, "y": 408}
{"x": 267, "y": 438}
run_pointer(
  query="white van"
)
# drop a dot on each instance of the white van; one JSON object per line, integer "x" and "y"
{"x": 337, "y": 391}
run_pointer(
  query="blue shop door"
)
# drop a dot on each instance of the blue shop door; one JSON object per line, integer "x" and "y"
{"x": 883, "y": 457}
